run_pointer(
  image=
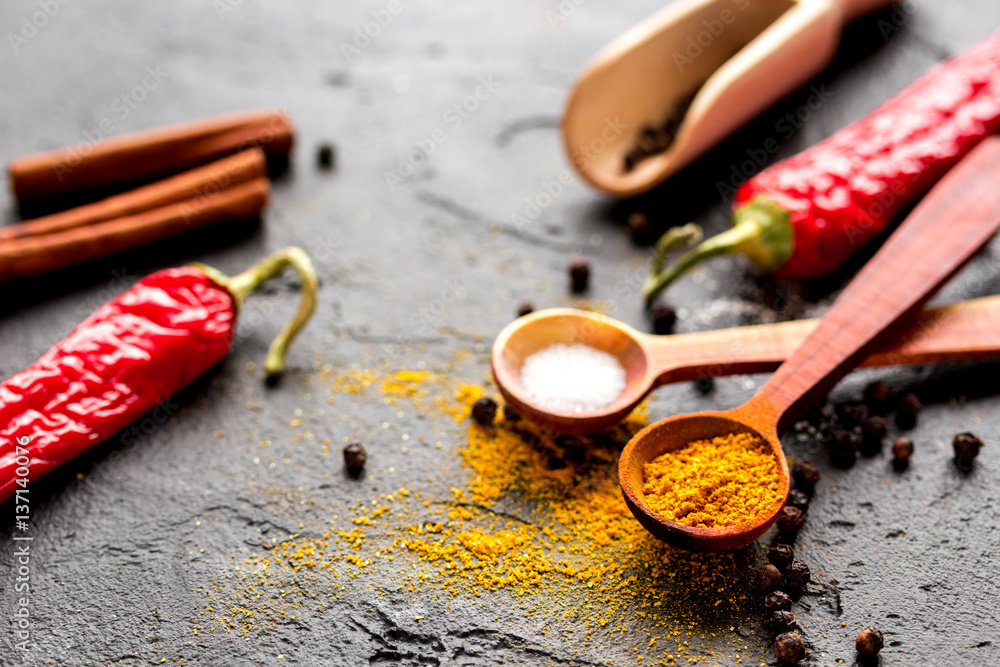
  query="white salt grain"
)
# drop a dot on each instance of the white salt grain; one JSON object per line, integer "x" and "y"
{"x": 572, "y": 378}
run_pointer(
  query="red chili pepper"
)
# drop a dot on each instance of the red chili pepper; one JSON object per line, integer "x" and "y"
{"x": 804, "y": 217}
{"x": 133, "y": 353}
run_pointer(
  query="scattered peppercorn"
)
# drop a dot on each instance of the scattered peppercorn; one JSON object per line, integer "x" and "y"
{"x": 484, "y": 411}
{"x": 355, "y": 457}
{"x": 908, "y": 411}
{"x": 704, "y": 385}
{"x": 870, "y": 641}
{"x": 664, "y": 318}
{"x": 325, "y": 156}
{"x": 844, "y": 448}
{"x": 781, "y": 621}
{"x": 789, "y": 647}
{"x": 526, "y": 308}
{"x": 879, "y": 397}
{"x": 902, "y": 448}
{"x": 873, "y": 432}
{"x": 781, "y": 556}
{"x": 778, "y": 601}
{"x": 790, "y": 519}
{"x": 798, "y": 499}
{"x": 806, "y": 476}
{"x": 797, "y": 574}
{"x": 966, "y": 446}
{"x": 852, "y": 414}
{"x": 768, "y": 578}
{"x": 579, "y": 274}
{"x": 639, "y": 228}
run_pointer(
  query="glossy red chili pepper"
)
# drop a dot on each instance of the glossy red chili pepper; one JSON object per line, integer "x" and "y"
{"x": 133, "y": 353}
{"x": 804, "y": 217}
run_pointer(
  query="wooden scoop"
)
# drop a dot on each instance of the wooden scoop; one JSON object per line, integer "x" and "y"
{"x": 964, "y": 330}
{"x": 955, "y": 220}
{"x": 736, "y": 57}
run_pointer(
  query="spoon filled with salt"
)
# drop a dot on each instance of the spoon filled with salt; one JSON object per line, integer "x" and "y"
{"x": 576, "y": 372}
{"x": 957, "y": 218}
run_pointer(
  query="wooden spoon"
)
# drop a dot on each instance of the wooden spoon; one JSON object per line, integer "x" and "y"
{"x": 740, "y": 56}
{"x": 956, "y": 219}
{"x": 965, "y": 330}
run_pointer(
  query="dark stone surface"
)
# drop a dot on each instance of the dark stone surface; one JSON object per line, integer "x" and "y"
{"x": 128, "y": 539}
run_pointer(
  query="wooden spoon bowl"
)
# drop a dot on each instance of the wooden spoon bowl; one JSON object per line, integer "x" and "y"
{"x": 567, "y": 326}
{"x": 674, "y": 433}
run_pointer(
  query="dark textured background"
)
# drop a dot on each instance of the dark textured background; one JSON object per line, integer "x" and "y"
{"x": 120, "y": 556}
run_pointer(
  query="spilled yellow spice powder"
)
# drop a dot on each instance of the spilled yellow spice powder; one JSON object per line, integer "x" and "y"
{"x": 713, "y": 483}
{"x": 541, "y": 521}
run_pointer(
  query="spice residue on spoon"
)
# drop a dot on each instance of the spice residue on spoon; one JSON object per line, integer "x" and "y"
{"x": 572, "y": 378}
{"x": 713, "y": 483}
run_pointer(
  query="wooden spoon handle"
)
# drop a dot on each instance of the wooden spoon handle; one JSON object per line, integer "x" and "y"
{"x": 964, "y": 330}
{"x": 959, "y": 215}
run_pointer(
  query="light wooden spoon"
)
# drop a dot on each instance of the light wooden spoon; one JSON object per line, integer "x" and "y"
{"x": 741, "y": 56}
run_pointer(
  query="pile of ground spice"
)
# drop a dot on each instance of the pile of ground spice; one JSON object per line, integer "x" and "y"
{"x": 713, "y": 483}
{"x": 541, "y": 523}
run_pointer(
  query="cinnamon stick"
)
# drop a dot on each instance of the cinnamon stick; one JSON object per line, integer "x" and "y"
{"x": 149, "y": 154}
{"x": 200, "y": 182}
{"x": 33, "y": 255}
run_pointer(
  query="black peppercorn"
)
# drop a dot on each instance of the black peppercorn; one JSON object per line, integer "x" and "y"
{"x": 966, "y": 446}
{"x": 484, "y": 411}
{"x": 768, "y": 578}
{"x": 873, "y": 432}
{"x": 908, "y": 410}
{"x": 355, "y": 457}
{"x": 639, "y": 228}
{"x": 879, "y": 397}
{"x": 647, "y": 140}
{"x": 789, "y": 647}
{"x": 664, "y": 318}
{"x": 579, "y": 274}
{"x": 852, "y": 414}
{"x": 797, "y": 574}
{"x": 526, "y": 308}
{"x": 781, "y": 555}
{"x": 790, "y": 519}
{"x": 806, "y": 476}
{"x": 870, "y": 641}
{"x": 325, "y": 156}
{"x": 798, "y": 499}
{"x": 781, "y": 621}
{"x": 704, "y": 385}
{"x": 902, "y": 448}
{"x": 844, "y": 448}
{"x": 777, "y": 601}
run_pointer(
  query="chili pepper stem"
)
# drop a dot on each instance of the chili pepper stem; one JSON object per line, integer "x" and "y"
{"x": 762, "y": 230}
{"x": 244, "y": 284}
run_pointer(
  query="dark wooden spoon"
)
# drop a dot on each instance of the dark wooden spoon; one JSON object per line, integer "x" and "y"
{"x": 953, "y": 221}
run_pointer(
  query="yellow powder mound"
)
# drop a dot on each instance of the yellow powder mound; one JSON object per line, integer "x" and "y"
{"x": 713, "y": 483}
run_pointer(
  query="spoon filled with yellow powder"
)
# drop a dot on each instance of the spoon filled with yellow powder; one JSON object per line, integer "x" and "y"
{"x": 722, "y": 481}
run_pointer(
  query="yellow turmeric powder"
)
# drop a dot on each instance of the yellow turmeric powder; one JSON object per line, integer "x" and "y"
{"x": 713, "y": 483}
